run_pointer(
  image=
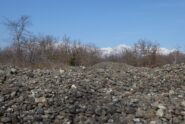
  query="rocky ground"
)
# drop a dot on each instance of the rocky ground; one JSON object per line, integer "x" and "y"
{"x": 106, "y": 93}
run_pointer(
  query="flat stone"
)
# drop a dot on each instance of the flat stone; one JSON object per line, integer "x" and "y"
{"x": 136, "y": 120}
{"x": 153, "y": 122}
{"x": 160, "y": 106}
{"x": 41, "y": 100}
{"x": 130, "y": 110}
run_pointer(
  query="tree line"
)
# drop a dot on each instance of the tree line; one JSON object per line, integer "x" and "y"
{"x": 29, "y": 50}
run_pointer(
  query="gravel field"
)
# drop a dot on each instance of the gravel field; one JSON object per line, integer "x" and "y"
{"x": 106, "y": 93}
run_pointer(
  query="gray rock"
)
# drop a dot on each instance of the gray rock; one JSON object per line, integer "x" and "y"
{"x": 13, "y": 94}
{"x": 160, "y": 113}
{"x": 136, "y": 120}
{"x": 61, "y": 71}
{"x": 20, "y": 99}
{"x": 38, "y": 118}
{"x": 5, "y": 119}
{"x": 160, "y": 106}
{"x": 28, "y": 118}
{"x": 2, "y": 72}
{"x": 13, "y": 71}
{"x": 176, "y": 120}
{"x": 1, "y": 99}
{"x": 183, "y": 103}
{"x": 41, "y": 100}
{"x": 153, "y": 122}
{"x": 73, "y": 86}
{"x": 130, "y": 110}
{"x": 40, "y": 111}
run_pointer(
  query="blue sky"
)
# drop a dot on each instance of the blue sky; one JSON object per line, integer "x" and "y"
{"x": 105, "y": 23}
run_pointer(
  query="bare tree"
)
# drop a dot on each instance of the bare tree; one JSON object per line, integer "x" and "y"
{"x": 146, "y": 52}
{"x": 19, "y": 31}
{"x": 175, "y": 54}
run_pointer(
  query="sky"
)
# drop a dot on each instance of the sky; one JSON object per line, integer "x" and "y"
{"x": 104, "y": 23}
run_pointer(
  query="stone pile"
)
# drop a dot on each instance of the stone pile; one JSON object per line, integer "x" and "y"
{"x": 106, "y": 93}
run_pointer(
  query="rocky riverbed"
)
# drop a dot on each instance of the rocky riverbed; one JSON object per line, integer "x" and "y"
{"x": 106, "y": 93}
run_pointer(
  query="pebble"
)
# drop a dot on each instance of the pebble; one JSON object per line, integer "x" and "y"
{"x": 13, "y": 71}
{"x": 153, "y": 122}
{"x": 73, "y": 86}
{"x": 41, "y": 100}
{"x": 61, "y": 71}
{"x": 160, "y": 106}
{"x": 83, "y": 67}
{"x": 136, "y": 120}
{"x": 40, "y": 111}
{"x": 183, "y": 103}
{"x": 160, "y": 112}
{"x": 171, "y": 92}
{"x": 38, "y": 118}
{"x": 130, "y": 110}
{"x": 13, "y": 94}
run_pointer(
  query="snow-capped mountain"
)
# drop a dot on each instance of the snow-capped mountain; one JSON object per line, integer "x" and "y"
{"x": 114, "y": 50}
{"x": 120, "y": 48}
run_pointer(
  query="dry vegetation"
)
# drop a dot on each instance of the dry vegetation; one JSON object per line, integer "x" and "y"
{"x": 45, "y": 51}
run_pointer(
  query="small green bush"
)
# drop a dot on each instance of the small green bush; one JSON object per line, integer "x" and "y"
{"x": 72, "y": 61}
